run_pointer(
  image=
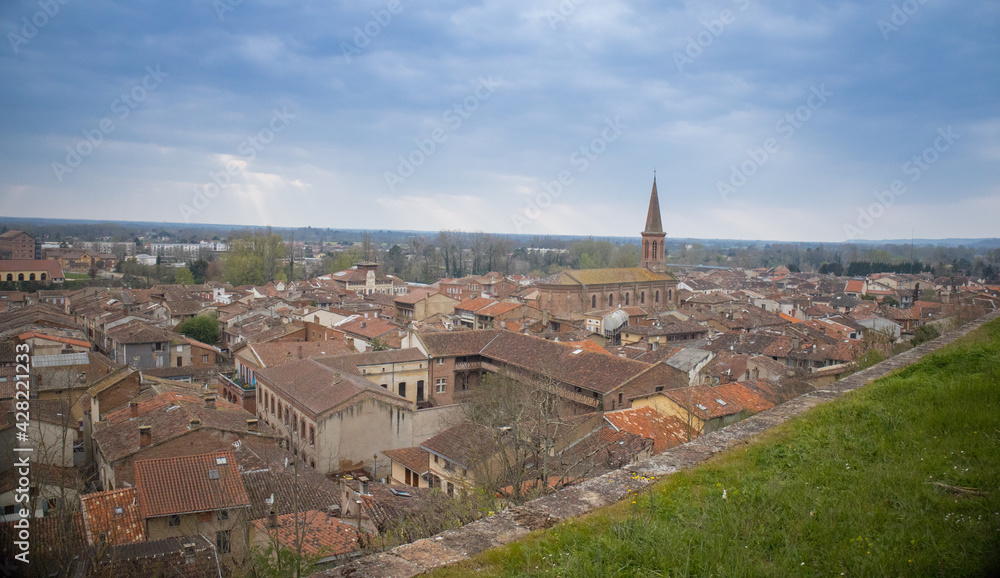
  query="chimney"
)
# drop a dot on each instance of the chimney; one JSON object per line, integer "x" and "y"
{"x": 133, "y": 409}
{"x": 195, "y": 422}
{"x": 252, "y": 425}
{"x": 145, "y": 435}
{"x": 545, "y": 318}
{"x": 272, "y": 519}
{"x": 300, "y": 352}
{"x": 210, "y": 402}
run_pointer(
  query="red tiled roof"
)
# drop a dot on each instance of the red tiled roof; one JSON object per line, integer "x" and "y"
{"x": 709, "y": 402}
{"x": 112, "y": 517}
{"x": 586, "y": 345}
{"x": 320, "y": 534}
{"x": 278, "y": 353}
{"x": 318, "y": 388}
{"x": 368, "y": 327}
{"x": 187, "y": 484}
{"x": 47, "y": 266}
{"x": 415, "y": 296}
{"x": 498, "y": 309}
{"x": 854, "y": 286}
{"x": 416, "y": 458}
{"x": 475, "y": 304}
{"x": 665, "y": 431}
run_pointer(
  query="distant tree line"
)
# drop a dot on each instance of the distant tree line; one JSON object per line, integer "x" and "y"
{"x": 865, "y": 268}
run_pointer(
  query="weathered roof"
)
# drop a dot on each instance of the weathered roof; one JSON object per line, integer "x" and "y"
{"x": 415, "y": 458}
{"x": 314, "y": 531}
{"x": 277, "y": 353}
{"x": 605, "y": 276}
{"x": 319, "y": 388}
{"x": 186, "y": 484}
{"x": 112, "y": 517}
{"x": 665, "y": 431}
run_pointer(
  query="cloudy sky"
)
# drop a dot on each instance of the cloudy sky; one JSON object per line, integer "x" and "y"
{"x": 812, "y": 121}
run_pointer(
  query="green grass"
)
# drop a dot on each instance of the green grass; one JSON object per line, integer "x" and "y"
{"x": 76, "y": 276}
{"x": 848, "y": 488}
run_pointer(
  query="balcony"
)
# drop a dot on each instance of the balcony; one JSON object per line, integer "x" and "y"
{"x": 468, "y": 365}
{"x": 235, "y": 382}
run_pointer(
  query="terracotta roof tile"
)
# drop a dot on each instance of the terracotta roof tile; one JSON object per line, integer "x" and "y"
{"x": 415, "y": 458}
{"x": 187, "y": 484}
{"x": 476, "y": 304}
{"x": 318, "y": 388}
{"x": 319, "y": 533}
{"x": 112, "y": 517}
{"x": 665, "y": 431}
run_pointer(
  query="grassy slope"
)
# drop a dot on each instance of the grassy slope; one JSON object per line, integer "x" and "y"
{"x": 847, "y": 488}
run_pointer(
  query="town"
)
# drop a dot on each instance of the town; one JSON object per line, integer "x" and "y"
{"x": 239, "y": 426}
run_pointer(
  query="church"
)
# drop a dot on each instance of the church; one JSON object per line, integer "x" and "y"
{"x": 649, "y": 285}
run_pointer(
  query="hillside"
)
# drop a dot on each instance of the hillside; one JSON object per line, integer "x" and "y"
{"x": 901, "y": 477}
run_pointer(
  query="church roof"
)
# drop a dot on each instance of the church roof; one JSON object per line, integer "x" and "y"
{"x": 653, "y": 223}
{"x": 605, "y": 276}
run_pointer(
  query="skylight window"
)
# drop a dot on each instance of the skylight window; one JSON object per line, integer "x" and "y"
{"x": 221, "y": 461}
{"x": 721, "y": 402}
{"x": 578, "y": 352}
{"x": 702, "y": 408}
{"x": 213, "y": 474}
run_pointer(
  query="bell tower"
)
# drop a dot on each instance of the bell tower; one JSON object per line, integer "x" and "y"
{"x": 653, "y": 254}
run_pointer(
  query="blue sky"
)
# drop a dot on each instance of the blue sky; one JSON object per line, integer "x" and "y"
{"x": 780, "y": 120}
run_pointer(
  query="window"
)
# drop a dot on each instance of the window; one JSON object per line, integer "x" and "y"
{"x": 31, "y": 277}
{"x": 402, "y": 389}
{"x": 20, "y": 276}
{"x": 222, "y": 515}
{"x": 180, "y": 361}
{"x": 174, "y": 520}
{"x": 43, "y": 279}
{"x": 593, "y": 301}
{"x": 626, "y": 299}
{"x": 440, "y": 361}
{"x": 10, "y": 276}
{"x": 611, "y": 300}
{"x": 642, "y": 298}
{"x": 619, "y": 399}
{"x": 312, "y": 435}
{"x": 222, "y": 541}
{"x": 441, "y": 385}
{"x": 657, "y": 296}
{"x": 204, "y": 358}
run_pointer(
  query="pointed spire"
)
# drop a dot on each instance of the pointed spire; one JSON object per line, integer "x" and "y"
{"x": 653, "y": 223}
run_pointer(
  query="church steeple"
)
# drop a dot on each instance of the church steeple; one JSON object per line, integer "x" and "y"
{"x": 653, "y": 237}
{"x": 653, "y": 224}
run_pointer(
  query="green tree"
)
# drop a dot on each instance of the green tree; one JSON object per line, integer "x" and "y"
{"x": 183, "y": 276}
{"x": 203, "y": 328}
{"x": 923, "y": 334}
{"x": 198, "y": 269}
{"x": 254, "y": 257}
